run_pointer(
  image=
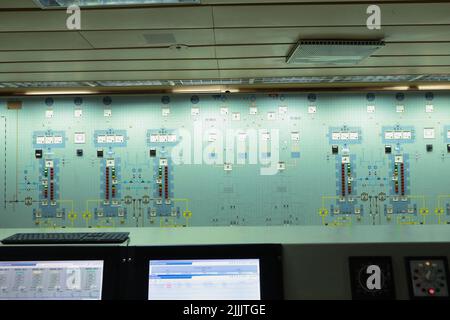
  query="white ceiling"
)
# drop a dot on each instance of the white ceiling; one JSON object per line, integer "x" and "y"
{"x": 224, "y": 39}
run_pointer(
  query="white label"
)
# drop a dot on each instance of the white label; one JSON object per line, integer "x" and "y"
{"x": 400, "y": 109}
{"x": 428, "y": 133}
{"x": 154, "y": 138}
{"x": 119, "y": 139}
{"x": 227, "y": 167}
{"x": 345, "y": 135}
{"x": 163, "y": 138}
{"x": 253, "y": 110}
{"x": 41, "y": 140}
{"x": 107, "y": 113}
{"x": 282, "y": 110}
{"x": 49, "y": 113}
{"x": 336, "y": 136}
{"x": 79, "y": 138}
{"x": 195, "y": 111}
{"x": 429, "y": 108}
{"x": 224, "y": 111}
{"x": 312, "y": 109}
{"x": 236, "y": 116}
{"x": 345, "y": 159}
{"x": 78, "y": 113}
{"x": 49, "y": 140}
{"x": 110, "y": 163}
{"x": 295, "y": 136}
{"x": 49, "y": 163}
{"x": 389, "y": 135}
{"x": 398, "y": 159}
{"x": 110, "y": 139}
{"x": 354, "y": 136}
{"x": 172, "y": 138}
{"x": 165, "y": 112}
{"x": 370, "y": 109}
{"x": 163, "y": 162}
{"x": 398, "y": 135}
{"x": 101, "y": 139}
{"x": 271, "y": 116}
{"x": 406, "y": 135}
{"x": 212, "y": 137}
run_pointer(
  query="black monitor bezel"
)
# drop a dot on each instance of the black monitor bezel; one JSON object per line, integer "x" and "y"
{"x": 270, "y": 256}
{"x": 111, "y": 256}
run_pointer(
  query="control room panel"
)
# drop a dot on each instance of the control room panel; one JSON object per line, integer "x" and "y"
{"x": 332, "y": 159}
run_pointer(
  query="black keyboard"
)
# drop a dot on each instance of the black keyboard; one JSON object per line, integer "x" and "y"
{"x": 67, "y": 238}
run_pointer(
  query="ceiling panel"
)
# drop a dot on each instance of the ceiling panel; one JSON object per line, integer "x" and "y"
{"x": 109, "y": 19}
{"x": 42, "y": 40}
{"x": 112, "y": 65}
{"x": 204, "y": 52}
{"x": 278, "y": 50}
{"x": 328, "y": 15}
{"x": 108, "y": 54}
{"x": 331, "y": 72}
{"x": 255, "y": 63}
{"x": 250, "y": 40}
{"x": 148, "y": 38}
{"x": 148, "y": 18}
{"x": 105, "y": 76}
{"x": 292, "y": 35}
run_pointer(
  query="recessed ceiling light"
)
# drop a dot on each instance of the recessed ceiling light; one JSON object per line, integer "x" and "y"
{"x": 104, "y": 3}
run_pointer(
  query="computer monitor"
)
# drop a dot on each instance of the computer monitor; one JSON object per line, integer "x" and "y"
{"x": 216, "y": 279}
{"x": 51, "y": 280}
{"x": 60, "y": 272}
{"x": 209, "y": 272}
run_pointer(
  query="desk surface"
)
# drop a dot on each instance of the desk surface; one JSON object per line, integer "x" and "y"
{"x": 284, "y": 235}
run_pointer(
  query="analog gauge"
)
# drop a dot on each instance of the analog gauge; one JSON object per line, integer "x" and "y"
{"x": 428, "y": 277}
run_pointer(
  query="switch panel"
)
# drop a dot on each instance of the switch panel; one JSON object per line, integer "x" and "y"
{"x": 428, "y": 277}
{"x": 334, "y": 149}
{"x": 38, "y": 154}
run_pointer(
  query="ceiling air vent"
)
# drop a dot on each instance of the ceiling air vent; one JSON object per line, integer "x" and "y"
{"x": 333, "y": 52}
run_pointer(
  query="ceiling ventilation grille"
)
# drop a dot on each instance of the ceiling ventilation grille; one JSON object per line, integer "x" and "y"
{"x": 333, "y": 52}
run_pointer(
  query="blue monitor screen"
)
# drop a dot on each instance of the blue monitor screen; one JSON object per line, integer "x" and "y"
{"x": 219, "y": 279}
{"x": 51, "y": 280}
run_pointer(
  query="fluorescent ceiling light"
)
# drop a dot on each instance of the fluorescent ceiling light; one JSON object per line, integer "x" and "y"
{"x": 434, "y": 87}
{"x": 397, "y": 88}
{"x": 204, "y": 90}
{"x": 52, "y": 93}
{"x": 104, "y": 3}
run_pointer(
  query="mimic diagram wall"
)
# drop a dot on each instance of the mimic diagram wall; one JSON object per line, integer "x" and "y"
{"x": 332, "y": 159}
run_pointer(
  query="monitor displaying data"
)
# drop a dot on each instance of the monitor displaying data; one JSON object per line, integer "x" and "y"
{"x": 51, "y": 280}
{"x": 219, "y": 279}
